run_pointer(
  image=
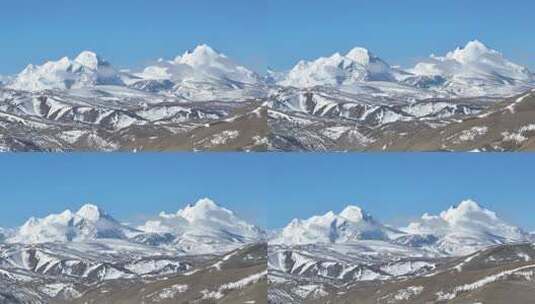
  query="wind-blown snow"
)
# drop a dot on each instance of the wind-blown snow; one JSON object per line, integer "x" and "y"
{"x": 475, "y": 70}
{"x": 466, "y": 228}
{"x": 204, "y": 223}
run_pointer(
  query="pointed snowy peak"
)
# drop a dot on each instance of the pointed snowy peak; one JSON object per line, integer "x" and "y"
{"x": 467, "y": 227}
{"x": 204, "y": 222}
{"x": 89, "y": 223}
{"x": 356, "y": 66}
{"x": 86, "y": 70}
{"x": 474, "y": 70}
{"x": 352, "y": 224}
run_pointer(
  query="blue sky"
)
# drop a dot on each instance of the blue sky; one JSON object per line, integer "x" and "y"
{"x": 267, "y": 188}
{"x": 260, "y": 33}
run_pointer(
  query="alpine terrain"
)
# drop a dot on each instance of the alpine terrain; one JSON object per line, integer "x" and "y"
{"x": 465, "y": 254}
{"x": 470, "y": 99}
{"x": 203, "y": 253}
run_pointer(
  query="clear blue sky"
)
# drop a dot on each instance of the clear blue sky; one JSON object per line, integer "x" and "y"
{"x": 260, "y": 33}
{"x": 269, "y": 189}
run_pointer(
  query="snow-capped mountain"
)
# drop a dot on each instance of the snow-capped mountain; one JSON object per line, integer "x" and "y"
{"x": 199, "y": 74}
{"x": 63, "y": 257}
{"x": 466, "y": 228}
{"x": 348, "y": 69}
{"x": 88, "y": 223}
{"x": 473, "y": 70}
{"x": 202, "y": 64}
{"x": 351, "y": 101}
{"x": 317, "y": 261}
{"x": 459, "y": 230}
{"x": 203, "y": 226}
{"x": 352, "y": 224}
{"x": 86, "y": 70}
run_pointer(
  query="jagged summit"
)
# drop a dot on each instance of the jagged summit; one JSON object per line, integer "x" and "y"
{"x": 352, "y": 224}
{"x": 356, "y": 66}
{"x": 86, "y": 70}
{"x": 458, "y": 230}
{"x": 88, "y": 223}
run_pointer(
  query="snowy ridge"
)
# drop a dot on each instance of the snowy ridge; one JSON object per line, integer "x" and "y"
{"x": 472, "y": 71}
{"x": 200, "y": 74}
{"x": 460, "y": 230}
{"x": 475, "y": 70}
{"x": 352, "y": 224}
{"x": 204, "y": 223}
{"x": 88, "y": 223}
{"x": 203, "y": 227}
{"x": 200, "y": 64}
{"x": 355, "y": 66}
{"x": 86, "y": 70}
{"x": 466, "y": 228}
{"x": 203, "y": 74}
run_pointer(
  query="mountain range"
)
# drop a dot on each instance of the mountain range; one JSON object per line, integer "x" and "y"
{"x": 460, "y": 230}
{"x": 339, "y": 256}
{"x": 203, "y": 252}
{"x": 203, "y": 100}
{"x": 474, "y": 70}
{"x": 87, "y": 256}
{"x": 203, "y": 227}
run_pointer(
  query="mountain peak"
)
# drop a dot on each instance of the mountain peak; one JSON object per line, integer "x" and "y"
{"x": 352, "y": 224}
{"x": 203, "y": 221}
{"x": 204, "y": 49}
{"x": 88, "y": 223}
{"x": 472, "y": 51}
{"x": 467, "y": 210}
{"x": 90, "y": 212}
{"x": 354, "y": 214}
{"x": 201, "y": 210}
{"x": 89, "y": 59}
{"x": 201, "y": 55}
{"x": 474, "y": 70}
{"x": 360, "y": 55}
{"x": 465, "y": 227}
